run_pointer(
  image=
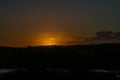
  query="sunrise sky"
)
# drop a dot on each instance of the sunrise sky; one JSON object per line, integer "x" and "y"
{"x": 47, "y": 22}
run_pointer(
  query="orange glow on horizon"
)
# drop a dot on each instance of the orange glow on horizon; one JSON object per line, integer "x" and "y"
{"x": 49, "y": 41}
{"x": 54, "y": 39}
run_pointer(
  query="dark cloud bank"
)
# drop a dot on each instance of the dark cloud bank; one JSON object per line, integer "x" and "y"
{"x": 104, "y": 37}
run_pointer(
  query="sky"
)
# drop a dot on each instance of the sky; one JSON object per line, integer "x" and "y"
{"x": 31, "y": 22}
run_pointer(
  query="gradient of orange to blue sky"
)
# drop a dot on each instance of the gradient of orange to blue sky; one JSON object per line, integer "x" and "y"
{"x": 52, "y": 22}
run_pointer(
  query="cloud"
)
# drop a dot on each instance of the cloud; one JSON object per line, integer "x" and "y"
{"x": 104, "y": 37}
{"x": 117, "y": 35}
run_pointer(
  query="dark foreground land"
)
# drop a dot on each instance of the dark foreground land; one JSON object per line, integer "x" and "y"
{"x": 79, "y": 62}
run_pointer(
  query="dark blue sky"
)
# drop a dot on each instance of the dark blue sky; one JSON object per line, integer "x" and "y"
{"x": 75, "y": 17}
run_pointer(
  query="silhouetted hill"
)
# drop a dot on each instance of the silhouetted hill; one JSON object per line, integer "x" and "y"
{"x": 96, "y": 62}
{"x": 63, "y": 56}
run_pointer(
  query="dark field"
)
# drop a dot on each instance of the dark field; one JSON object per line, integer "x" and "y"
{"x": 79, "y": 62}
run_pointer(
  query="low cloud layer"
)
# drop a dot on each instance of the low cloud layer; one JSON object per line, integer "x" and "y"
{"x": 104, "y": 37}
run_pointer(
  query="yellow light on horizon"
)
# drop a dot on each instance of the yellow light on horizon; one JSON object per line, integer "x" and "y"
{"x": 49, "y": 41}
{"x": 54, "y": 39}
